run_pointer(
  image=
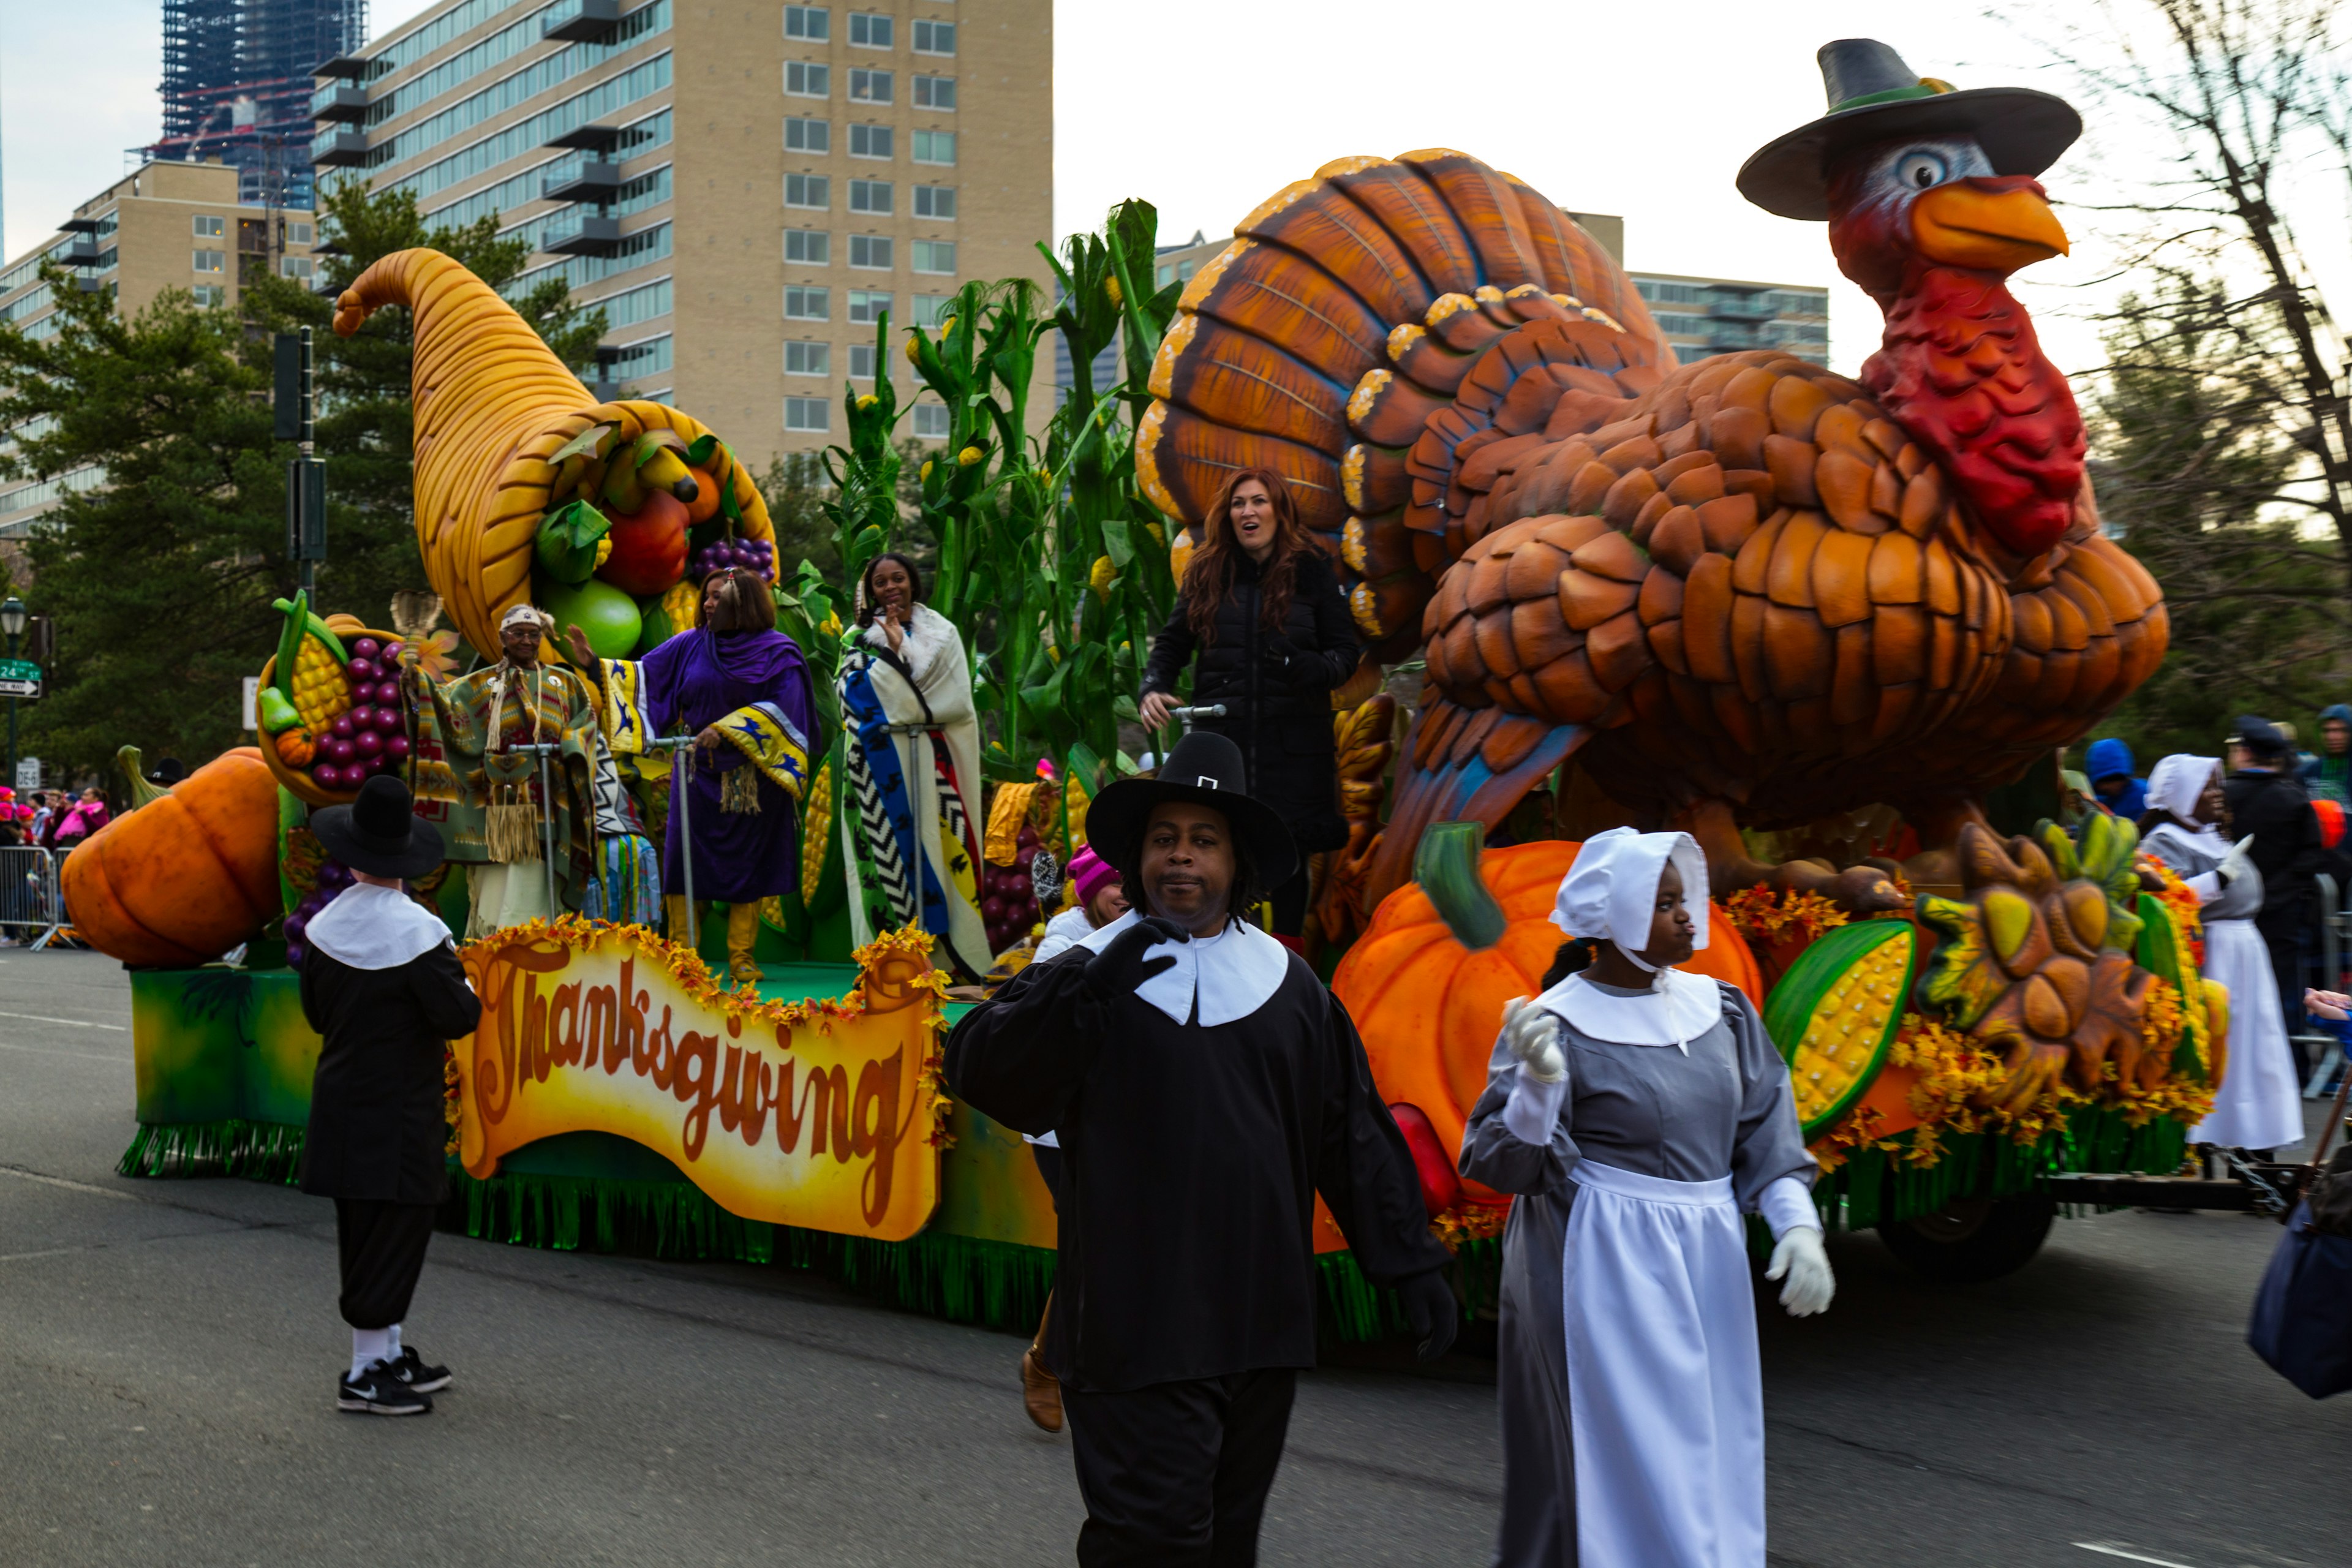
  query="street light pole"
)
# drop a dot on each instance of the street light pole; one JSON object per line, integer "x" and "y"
{"x": 12, "y": 622}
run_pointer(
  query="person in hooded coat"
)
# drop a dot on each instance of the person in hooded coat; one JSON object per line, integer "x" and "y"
{"x": 2328, "y": 775}
{"x": 2108, "y": 765}
{"x": 2257, "y": 1105}
{"x": 381, "y": 985}
{"x": 1635, "y": 1111}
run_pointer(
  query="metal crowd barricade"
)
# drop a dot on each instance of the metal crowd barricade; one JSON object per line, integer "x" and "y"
{"x": 31, "y": 900}
{"x": 2334, "y": 940}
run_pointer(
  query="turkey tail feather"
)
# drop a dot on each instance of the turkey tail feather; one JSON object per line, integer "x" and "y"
{"x": 1456, "y": 764}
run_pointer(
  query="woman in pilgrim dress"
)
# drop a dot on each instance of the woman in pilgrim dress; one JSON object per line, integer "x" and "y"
{"x": 2256, "y": 1105}
{"x": 1636, "y": 1109}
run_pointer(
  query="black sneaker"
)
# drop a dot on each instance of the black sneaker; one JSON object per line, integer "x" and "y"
{"x": 376, "y": 1392}
{"x": 410, "y": 1368}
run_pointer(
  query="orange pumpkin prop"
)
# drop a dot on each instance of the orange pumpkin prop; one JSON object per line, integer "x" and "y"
{"x": 186, "y": 877}
{"x": 1428, "y": 1007}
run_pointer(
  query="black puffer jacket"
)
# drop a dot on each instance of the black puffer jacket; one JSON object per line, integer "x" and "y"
{"x": 1276, "y": 689}
{"x": 2273, "y": 809}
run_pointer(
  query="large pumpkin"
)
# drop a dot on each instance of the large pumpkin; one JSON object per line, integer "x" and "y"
{"x": 1428, "y": 1007}
{"x": 185, "y": 877}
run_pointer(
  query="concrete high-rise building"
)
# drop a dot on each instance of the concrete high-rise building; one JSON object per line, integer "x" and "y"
{"x": 743, "y": 189}
{"x": 1703, "y": 316}
{"x": 237, "y": 87}
{"x": 167, "y": 225}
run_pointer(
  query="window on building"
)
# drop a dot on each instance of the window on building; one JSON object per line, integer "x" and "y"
{"x": 871, "y": 251}
{"x": 211, "y": 261}
{"x": 868, "y": 30}
{"x": 810, "y": 414}
{"x": 931, "y": 421}
{"x": 869, "y": 142}
{"x": 870, "y": 196}
{"x": 861, "y": 362}
{"x": 210, "y": 227}
{"x": 814, "y": 22}
{"x": 808, "y": 135}
{"x": 934, "y": 146}
{"x": 934, "y": 255}
{"x": 813, "y": 191}
{"x": 935, "y": 38}
{"x": 1175, "y": 272}
{"x": 295, "y": 267}
{"x": 211, "y": 296}
{"x": 866, "y": 306}
{"x": 928, "y": 309}
{"x": 808, "y": 247}
{"x": 297, "y": 233}
{"x": 934, "y": 92}
{"x": 807, "y": 304}
{"x": 869, "y": 86}
{"x": 804, "y": 79}
{"x": 808, "y": 359}
{"x": 935, "y": 201}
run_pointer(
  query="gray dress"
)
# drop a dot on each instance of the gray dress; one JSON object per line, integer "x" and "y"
{"x": 1723, "y": 1109}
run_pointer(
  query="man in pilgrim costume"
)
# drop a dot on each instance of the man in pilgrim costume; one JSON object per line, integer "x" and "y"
{"x": 383, "y": 986}
{"x": 1205, "y": 1086}
{"x": 1635, "y": 1111}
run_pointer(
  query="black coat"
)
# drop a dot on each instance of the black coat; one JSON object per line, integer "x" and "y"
{"x": 2276, "y": 811}
{"x": 1190, "y": 1158}
{"x": 1276, "y": 689}
{"x": 376, "y": 1126}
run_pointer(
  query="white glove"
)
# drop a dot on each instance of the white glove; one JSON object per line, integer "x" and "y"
{"x": 1799, "y": 1258}
{"x": 2239, "y": 862}
{"x": 1533, "y": 1037}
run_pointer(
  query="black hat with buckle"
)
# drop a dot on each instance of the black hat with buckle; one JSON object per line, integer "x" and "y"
{"x": 1204, "y": 769}
{"x": 376, "y": 833}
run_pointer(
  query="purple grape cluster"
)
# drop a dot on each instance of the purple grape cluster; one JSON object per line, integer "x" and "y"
{"x": 752, "y": 555}
{"x": 371, "y": 735}
{"x": 333, "y": 878}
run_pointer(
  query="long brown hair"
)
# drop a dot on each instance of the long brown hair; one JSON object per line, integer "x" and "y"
{"x": 1209, "y": 575}
{"x": 746, "y": 602}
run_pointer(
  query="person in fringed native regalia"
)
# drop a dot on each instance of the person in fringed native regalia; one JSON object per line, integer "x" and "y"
{"x": 742, "y": 688}
{"x": 911, "y": 839}
{"x": 2257, "y": 1105}
{"x": 1205, "y": 1086}
{"x": 1635, "y": 1111}
{"x": 484, "y": 794}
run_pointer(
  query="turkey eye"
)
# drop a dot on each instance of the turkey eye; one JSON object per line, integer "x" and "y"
{"x": 1921, "y": 171}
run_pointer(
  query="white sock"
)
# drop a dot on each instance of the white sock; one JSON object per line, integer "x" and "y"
{"x": 368, "y": 1347}
{"x": 393, "y": 1353}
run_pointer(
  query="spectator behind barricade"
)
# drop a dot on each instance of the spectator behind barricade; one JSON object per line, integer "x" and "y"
{"x": 2328, "y": 775}
{"x": 88, "y": 815}
{"x": 2267, "y": 804}
{"x": 2112, "y": 782}
{"x": 45, "y": 814}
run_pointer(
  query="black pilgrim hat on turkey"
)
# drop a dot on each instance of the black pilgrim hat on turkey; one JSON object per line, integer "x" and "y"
{"x": 377, "y": 835}
{"x": 1874, "y": 95}
{"x": 1206, "y": 770}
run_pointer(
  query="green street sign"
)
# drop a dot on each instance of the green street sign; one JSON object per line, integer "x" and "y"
{"x": 19, "y": 669}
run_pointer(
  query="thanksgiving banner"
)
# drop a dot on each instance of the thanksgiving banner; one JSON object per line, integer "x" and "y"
{"x": 818, "y": 1114}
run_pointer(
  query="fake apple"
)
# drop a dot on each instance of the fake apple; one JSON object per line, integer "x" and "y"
{"x": 648, "y": 546}
{"x": 607, "y": 615}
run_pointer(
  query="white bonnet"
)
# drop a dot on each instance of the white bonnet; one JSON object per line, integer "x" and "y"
{"x": 2176, "y": 783}
{"x": 1613, "y": 889}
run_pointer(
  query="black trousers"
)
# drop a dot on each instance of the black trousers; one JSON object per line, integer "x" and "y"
{"x": 1175, "y": 1475}
{"x": 1049, "y": 1170}
{"x": 2285, "y": 947}
{"x": 382, "y": 1251}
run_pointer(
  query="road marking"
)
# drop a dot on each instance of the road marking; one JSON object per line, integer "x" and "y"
{"x": 69, "y": 1186}
{"x": 2130, "y": 1556}
{"x": 82, "y": 1056}
{"x": 70, "y": 1023}
{"x": 52, "y": 1252}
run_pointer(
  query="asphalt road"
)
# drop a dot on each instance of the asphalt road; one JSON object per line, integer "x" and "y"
{"x": 166, "y": 1351}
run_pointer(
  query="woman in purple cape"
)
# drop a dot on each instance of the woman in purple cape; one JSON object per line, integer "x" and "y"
{"x": 739, "y": 687}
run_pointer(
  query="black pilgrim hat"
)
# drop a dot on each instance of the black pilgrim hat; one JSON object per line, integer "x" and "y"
{"x": 1205, "y": 769}
{"x": 1873, "y": 95}
{"x": 376, "y": 833}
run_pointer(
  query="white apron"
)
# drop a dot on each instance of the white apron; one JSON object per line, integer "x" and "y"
{"x": 1666, "y": 1387}
{"x": 2259, "y": 1105}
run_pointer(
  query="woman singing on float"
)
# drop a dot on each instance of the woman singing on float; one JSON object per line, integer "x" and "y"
{"x": 1636, "y": 1111}
{"x": 1261, "y": 607}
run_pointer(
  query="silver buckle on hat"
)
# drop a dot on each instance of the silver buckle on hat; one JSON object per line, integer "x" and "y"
{"x": 1205, "y": 781}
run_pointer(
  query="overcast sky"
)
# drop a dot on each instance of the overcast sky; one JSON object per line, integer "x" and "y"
{"x": 1207, "y": 106}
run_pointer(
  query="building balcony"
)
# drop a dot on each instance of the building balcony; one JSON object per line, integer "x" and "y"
{"x": 78, "y": 252}
{"x": 79, "y": 226}
{"x": 1726, "y": 307}
{"x": 581, "y": 232}
{"x": 336, "y": 146}
{"x": 348, "y": 68}
{"x": 575, "y": 20}
{"x": 580, "y": 178}
{"x": 595, "y": 138}
{"x": 339, "y": 100}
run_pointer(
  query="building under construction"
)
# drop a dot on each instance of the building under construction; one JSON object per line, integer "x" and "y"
{"x": 237, "y": 87}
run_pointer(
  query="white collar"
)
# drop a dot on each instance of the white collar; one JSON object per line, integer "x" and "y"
{"x": 1683, "y": 1007}
{"x": 369, "y": 927}
{"x": 2204, "y": 838}
{"x": 1236, "y": 972}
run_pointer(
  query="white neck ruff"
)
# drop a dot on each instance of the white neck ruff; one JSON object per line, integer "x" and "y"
{"x": 1234, "y": 973}
{"x": 369, "y": 927}
{"x": 1680, "y": 1009}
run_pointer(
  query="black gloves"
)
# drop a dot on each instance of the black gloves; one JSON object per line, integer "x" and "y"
{"x": 1431, "y": 1308}
{"x": 1117, "y": 970}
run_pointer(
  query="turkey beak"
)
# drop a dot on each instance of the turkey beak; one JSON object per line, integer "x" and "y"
{"x": 1994, "y": 225}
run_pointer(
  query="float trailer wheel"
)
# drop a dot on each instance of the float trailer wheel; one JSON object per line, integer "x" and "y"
{"x": 1973, "y": 1239}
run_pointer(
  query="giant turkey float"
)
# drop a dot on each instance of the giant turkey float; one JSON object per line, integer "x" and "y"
{"x": 1837, "y": 630}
